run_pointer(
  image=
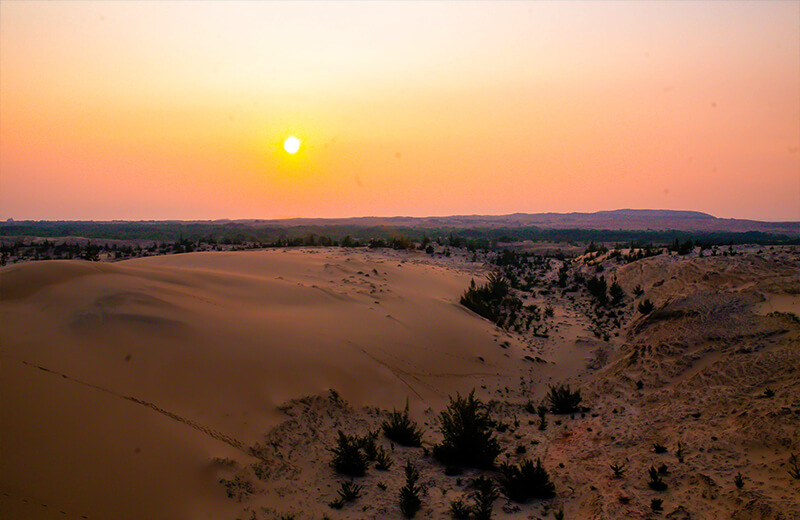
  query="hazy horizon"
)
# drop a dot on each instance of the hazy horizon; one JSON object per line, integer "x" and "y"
{"x": 346, "y": 217}
{"x": 180, "y": 110}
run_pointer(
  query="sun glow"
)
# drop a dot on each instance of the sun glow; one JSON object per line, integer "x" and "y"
{"x": 291, "y": 144}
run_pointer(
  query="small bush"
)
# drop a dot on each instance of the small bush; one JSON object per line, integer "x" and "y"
{"x": 526, "y": 481}
{"x": 542, "y": 417}
{"x": 618, "y": 469}
{"x": 483, "y": 497}
{"x": 646, "y": 306}
{"x": 459, "y": 510}
{"x": 616, "y": 293}
{"x": 679, "y": 452}
{"x": 562, "y": 400}
{"x": 638, "y": 291}
{"x": 383, "y": 461}
{"x": 769, "y": 392}
{"x": 738, "y": 480}
{"x": 238, "y": 488}
{"x": 558, "y": 515}
{"x": 410, "y": 501}
{"x": 659, "y": 448}
{"x": 348, "y": 492}
{"x": 402, "y": 430}
{"x": 348, "y": 458}
{"x": 655, "y": 482}
{"x": 467, "y": 431}
{"x": 794, "y": 470}
{"x": 369, "y": 446}
{"x": 656, "y": 504}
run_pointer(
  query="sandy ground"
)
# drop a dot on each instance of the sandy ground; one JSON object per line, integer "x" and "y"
{"x": 130, "y": 389}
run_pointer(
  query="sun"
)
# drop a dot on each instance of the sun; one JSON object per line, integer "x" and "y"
{"x": 291, "y": 144}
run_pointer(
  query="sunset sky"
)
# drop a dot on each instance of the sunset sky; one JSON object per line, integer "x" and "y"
{"x": 179, "y": 110}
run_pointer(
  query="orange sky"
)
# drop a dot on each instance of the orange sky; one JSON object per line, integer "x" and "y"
{"x": 178, "y": 110}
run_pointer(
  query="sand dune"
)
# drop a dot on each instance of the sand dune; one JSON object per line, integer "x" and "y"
{"x": 141, "y": 360}
{"x": 130, "y": 389}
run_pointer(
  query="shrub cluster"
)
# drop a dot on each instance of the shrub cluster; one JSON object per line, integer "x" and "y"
{"x": 402, "y": 429}
{"x": 526, "y": 481}
{"x": 352, "y": 454}
{"x": 563, "y": 400}
{"x": 467, "y": 431}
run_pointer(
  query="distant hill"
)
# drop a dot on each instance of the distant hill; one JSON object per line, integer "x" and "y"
{"x": 623, "y": 225}
{"x": 621, "y": 219}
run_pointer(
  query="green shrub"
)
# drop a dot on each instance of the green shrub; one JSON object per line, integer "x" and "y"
{"x": 618, "y": 469}
{"x": 656, "y": 504}
{"x": 383, "y": 461}
{"x": 467, "y": 431}
{"x": 348, "y": 458}
{"x": 526, "y": 481}
{"x": 597, "y": 287}
{"x": 459, "y": 510}
{"x": 348, "y": 492}
{"x": 369, "y": 446}
{"x": 410, "y": 501}
{"x": 401, "y": 429}
{"x": 616, "y": 293}
{"x": 659, "y": 448}
{"x": 562, "y": 400}
{"x": 794, "y": 470}
{"x": 542, "y": 411}
{"x": 483, "y": 497}
{"x": 738, "y": 480}
{"x": 646, "y": 306}
{"x": 655, "y": 482}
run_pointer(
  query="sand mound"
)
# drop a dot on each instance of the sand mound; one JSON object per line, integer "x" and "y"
{"x": 122, "y": 379}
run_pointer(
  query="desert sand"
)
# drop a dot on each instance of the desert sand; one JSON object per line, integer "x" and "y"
{"x": 130, "y": 389}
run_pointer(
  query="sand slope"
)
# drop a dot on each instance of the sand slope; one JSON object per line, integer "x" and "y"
{"x": 123, "y": 382}
{"x": 129, "y": 390}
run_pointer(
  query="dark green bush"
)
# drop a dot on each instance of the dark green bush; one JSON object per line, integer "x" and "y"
{"x": 563, "y": 400}
{"x": 794, "y": 469}
{"x": 383, "y": 461}
{"x": 401, "y": 429}
{"x": 618, "y": 469}
{"x": 459, "y": 510}
{"x": 348, "y": 458}
{"x": 646, "y": 306}
{"x": 659, "y": 448}
{"x": 467, "y": 431}
{"x": 410, "y": 501}
{"x": 348, "y": 492}
{"x": 656, "y": 504}
{"x": 526, "y": 481}
{"x": 655, "y": 482}
{"x": 483, "y": 497}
